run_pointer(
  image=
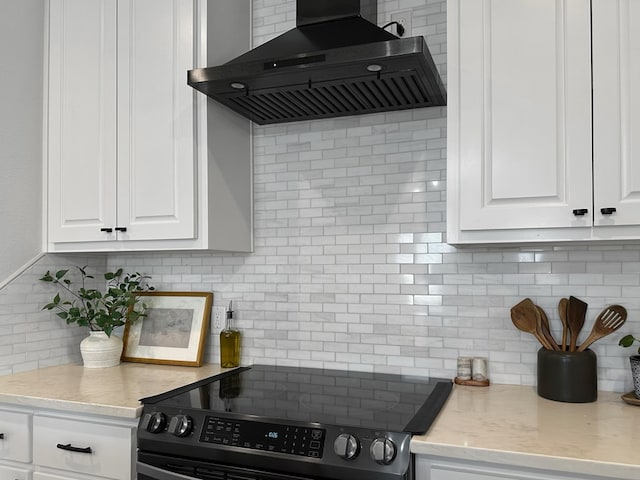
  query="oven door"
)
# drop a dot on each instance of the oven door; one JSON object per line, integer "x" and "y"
{"x": 160, "y": 467}
{"x": 149, "y": 472}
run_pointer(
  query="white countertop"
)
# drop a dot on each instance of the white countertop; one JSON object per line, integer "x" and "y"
{"x": 113, "y": 391}
{"x": 512, "y": 425}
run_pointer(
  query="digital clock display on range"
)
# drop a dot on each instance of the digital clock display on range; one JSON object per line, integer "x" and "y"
{"x": 289, "y": 439}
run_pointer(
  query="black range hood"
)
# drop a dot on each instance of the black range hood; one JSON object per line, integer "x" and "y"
{"x": 334, "y": 63}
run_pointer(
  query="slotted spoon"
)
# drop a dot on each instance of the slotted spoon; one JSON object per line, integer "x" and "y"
{"x": 609, "y": 320}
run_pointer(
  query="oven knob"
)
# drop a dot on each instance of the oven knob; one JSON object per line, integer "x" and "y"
{"x": 383, "y": 451}
{"x": 180, "y": 425}
{"x": 346, "y": 446}
{"x": 155, "y": 422}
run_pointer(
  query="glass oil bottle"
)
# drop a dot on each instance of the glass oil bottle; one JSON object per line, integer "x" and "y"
{"x": 229, "y": 343}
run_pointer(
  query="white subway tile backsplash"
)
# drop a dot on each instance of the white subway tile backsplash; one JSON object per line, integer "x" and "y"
{"x": 350, "y": 269}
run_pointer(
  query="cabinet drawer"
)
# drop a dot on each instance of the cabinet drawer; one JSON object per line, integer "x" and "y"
{"x": 51, "y": 476}
{"x": 84, "y": 447}
{"x": 15, "y": 430}
{"x": 13, "y": 473}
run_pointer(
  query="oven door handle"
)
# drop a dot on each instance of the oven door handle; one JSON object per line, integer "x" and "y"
{"x": 155, "y": 473}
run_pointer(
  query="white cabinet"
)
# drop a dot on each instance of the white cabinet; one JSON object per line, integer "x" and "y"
{"x": 131, "y": 163}
{"x": 616, "y": 110}
{"x": 434, "y": 468}
{"x": 15, "y": 436}
{"x": 14, "y": 473}
{"x": 81, "y": 119}
{"x": 521, "y": 167}
{"x": 15, "y": 445}
{"x": 47, "y": 444}
{"x": 84, "y": 446}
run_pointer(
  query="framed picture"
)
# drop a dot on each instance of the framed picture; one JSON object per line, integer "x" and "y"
{"x": 174, "y": 330}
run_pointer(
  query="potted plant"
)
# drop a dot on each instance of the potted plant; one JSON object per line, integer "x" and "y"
{"x": 627, "y": 341}
{"x": 100, "y": 311}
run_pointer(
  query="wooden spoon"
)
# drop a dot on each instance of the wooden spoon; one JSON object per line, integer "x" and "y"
{"x": 525, "y": 317}
{"x": 609, "y": 320}
{"x": 563, "y": 305}
{"x": 575, "y": 318}
{"x": 545, "y": 329}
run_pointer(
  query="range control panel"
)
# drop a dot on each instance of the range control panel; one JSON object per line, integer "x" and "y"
{"x": 270, "y": 437}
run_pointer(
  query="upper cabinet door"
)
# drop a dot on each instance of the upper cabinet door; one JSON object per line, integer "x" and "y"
{"x": 156, "y": 144}
{"x": 519, "y": 136}
{"x": 616, "y": 111}
{"x": 81, "y": 120}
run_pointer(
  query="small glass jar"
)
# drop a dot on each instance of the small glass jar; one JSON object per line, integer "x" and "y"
{"x": 464, "y": 368}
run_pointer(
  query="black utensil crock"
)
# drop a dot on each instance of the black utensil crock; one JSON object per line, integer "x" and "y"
{"x": 568, "y": 376}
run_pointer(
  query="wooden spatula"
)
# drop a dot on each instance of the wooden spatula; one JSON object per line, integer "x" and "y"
{"x": 609, "y": 320}
{"x": 575, "y": 318}
{"x": 526, "y": 317}
{"x": 545, "y": 329}
{"x": 563, "y": 306}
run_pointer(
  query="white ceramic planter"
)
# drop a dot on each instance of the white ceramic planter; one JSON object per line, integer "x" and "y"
{"x": 99, "y": 351}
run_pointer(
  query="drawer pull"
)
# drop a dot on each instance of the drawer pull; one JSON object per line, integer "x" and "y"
{"x": 69, "y": 448}
{"x": 578, "y": 212}
{"x": 1, "y": 436}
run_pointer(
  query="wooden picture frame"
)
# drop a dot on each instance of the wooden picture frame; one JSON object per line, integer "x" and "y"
{"x": 173, "y": 331}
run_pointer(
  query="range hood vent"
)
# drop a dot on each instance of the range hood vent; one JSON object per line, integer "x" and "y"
{"x": 334, "y": 63}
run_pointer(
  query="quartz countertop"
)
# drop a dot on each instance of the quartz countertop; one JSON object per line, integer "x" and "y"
{"x": 511, "y": 425}
{"x": 113, "y": 391}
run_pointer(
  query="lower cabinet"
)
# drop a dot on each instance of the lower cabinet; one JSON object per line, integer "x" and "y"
{"x": 84, "y": 447}
{"x": 53, "y": 445}
{"x": 14, "y": 473}
{"x": 15, "y": 436}
{"x": 435, "y": 468}
{"x": 15, "y": 444}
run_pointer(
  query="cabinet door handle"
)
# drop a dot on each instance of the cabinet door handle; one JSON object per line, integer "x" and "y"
{"x": 578, "y": 212}
{"x": 608, "y": 210}
{"x": 121, "y": 229}
{"x": 1, "y": 436}
{"x": 69, "y": 448}
{"x": 106, "y": 230}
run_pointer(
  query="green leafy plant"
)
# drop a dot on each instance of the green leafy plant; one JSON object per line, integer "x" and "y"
{"x": 89, "y": 307}
{"x": 628, "y": 340}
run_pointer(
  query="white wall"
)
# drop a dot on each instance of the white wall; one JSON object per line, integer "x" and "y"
{"x": 21, "y": 91}
{"x": 31, "y": 338}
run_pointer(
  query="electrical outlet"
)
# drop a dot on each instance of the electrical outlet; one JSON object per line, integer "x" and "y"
{"x": 404, "y": 19}
{"x": 219, "y": 316}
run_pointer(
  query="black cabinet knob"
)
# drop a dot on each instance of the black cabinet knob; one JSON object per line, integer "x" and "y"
{"x": 578, "y": 212}
{"x": 107, "y": 230}
{"x": 608, "y": 210}
{"x": 121, "y": 229}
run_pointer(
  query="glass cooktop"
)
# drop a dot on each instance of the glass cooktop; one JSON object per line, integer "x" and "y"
{"x": 345, "y": 398}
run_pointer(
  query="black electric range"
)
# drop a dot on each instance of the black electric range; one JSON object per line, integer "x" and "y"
{"x": 288, "y": 423}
